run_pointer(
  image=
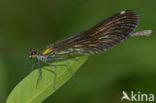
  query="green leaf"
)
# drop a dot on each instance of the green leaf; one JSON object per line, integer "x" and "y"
{"x": 26, "y": 91}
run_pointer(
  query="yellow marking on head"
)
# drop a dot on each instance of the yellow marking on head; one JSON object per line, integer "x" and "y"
{"x": 47, "y": 51}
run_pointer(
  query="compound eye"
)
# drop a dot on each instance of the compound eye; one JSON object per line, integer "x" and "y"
{"x": 32, "y": 53}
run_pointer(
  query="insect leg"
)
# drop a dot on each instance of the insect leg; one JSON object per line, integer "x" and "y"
{"x": 55, "y": 75}
{"x": 72, "y": 73}
{"x": 34, "y": 65}
{"x": 64, "y": 65}
{"x": 40, "y": 73}
{"x": 68, "y": 67}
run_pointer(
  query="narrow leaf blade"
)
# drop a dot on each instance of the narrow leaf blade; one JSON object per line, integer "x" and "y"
{"x": 26, "y": 91}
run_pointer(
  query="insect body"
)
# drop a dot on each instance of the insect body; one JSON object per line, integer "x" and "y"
{"x": 97, "y": 39}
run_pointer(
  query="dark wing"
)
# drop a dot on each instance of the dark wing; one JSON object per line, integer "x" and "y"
{"x": 101, "y": 37}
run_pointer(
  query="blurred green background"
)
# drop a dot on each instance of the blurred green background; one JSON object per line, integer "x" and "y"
{"x": 26, "y": 24}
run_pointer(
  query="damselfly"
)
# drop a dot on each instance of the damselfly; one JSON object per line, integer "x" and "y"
{"x": 97, "y": 39}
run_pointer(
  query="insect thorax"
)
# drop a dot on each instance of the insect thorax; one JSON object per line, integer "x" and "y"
{"x": 42, "y": 58}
